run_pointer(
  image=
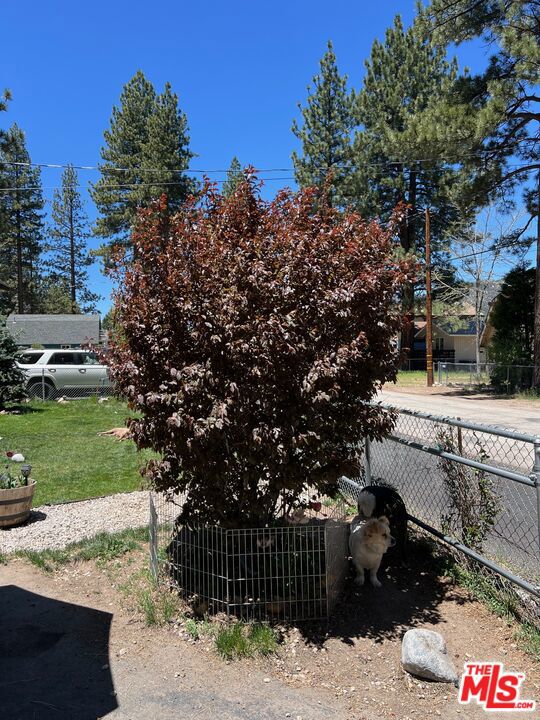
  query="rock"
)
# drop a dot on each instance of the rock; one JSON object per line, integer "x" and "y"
{"x": 17, "y": 457}
{"x": 424, "y": 654}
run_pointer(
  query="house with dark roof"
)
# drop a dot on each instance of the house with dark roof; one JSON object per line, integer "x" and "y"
{"x": 54, "y": 331}
{"x": 453, "y": 340}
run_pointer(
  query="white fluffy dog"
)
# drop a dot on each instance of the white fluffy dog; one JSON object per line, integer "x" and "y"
{"x": 368, "y": 541}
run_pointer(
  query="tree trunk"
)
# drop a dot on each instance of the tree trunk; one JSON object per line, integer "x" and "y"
{"x": 73, "y": 294}
{"x": 536, "y": 370}
{"x": 478, "y": 298}
{"x": 20, "y": 289}
{"x": 408, "y": 243}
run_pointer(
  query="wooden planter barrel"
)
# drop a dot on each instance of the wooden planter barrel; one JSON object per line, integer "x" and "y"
{"x": 15, "y": 504}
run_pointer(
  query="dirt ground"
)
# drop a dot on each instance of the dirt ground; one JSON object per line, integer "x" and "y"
{"x": 74, "y": 647}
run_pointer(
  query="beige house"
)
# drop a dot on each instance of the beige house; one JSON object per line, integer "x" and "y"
{"x": 451, "y": 343}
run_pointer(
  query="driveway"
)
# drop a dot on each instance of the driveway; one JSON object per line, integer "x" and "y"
{"x": 510, "y": 414}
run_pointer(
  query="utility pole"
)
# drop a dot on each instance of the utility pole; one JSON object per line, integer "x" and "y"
{"x": 536, "y": 356}
{"x": 429, "y": 317}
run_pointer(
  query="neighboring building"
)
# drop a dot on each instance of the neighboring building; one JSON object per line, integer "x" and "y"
{"x": 54, "y": 331}
{"x": 453, "y": 342}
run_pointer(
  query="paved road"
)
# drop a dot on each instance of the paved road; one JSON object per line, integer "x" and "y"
{"x": 523, "y": 417}
{"x": 419, "y": 478}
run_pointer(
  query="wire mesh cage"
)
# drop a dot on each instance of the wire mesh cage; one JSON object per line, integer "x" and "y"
{"x": 288, "y": 572}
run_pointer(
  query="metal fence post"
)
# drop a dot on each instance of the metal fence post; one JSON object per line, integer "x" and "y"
{"x": 43, "y": 383}
{"x": 367, "y": 465}
{"x": 536, "y": 473}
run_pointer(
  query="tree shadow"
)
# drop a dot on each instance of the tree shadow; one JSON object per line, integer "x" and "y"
{"x": 410, "y": 596}
{"x": 22, "y": 410}
{"x": 54, "y": 658}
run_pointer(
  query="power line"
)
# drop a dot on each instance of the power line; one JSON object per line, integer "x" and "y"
{"x": 118, "y": 186}
{"x": 219, "y": 180}
{"x": 383, "y": 163}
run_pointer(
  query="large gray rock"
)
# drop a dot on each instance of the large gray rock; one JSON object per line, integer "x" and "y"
{"x": 424, "y": 654}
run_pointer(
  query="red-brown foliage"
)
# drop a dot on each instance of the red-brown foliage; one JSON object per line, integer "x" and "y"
{"x": 252, "y": 336}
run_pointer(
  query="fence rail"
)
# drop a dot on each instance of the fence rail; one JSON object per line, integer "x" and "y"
{"x": 415, "y": 459}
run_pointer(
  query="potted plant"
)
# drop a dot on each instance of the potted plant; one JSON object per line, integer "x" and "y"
{"x": 16, "y": 494}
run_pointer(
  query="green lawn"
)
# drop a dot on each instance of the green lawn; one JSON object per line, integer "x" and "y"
{"x": 69, "y": 460}
{"x": 408, "y": 378}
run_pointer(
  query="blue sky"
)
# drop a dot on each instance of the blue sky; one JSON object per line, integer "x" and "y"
{"x": 239, "y": 69}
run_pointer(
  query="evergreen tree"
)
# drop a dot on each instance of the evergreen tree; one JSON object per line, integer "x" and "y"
{"x": 145, "y": 147}
{"x": 116, "y": 193}
{"x": 166, "y": 148}
{"x": 502, "y": 104}
{"x": 4, "y": 100}
{"x": 234, "y": 177}
{"x": 512, "y": 317}
{"x": 502, "y": 143}
{"x": 22, "y": 235}
{"x": 68, "y": 256}
{"x": 395, "y": 160}
{"x": 12, "y": 378}
{"x": 325, "y": 134}
{"x": 5, "y": 294}
{"x": 55, "y": 297}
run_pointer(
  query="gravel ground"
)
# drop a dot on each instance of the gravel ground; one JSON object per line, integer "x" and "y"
{"x": 55, "y": 526}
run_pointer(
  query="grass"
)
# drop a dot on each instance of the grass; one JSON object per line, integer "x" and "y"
{"x": 502, "y": 602}
{"x": 69, "y": 460}
{"x": 158, "y": 606}
{"x": 493, "y": 592}
{"x": 530, "y": 395}
{"x": 245, "y": 640}
{"x": 410, "y": 378}
{"x": 102, "y": 548}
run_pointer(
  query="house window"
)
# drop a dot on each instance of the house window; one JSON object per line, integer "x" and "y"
{"x": 439, "y": 344}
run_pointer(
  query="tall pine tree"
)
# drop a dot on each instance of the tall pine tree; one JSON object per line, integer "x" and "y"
{"x": 21, "y": 203}
{"x": 116, "y": 193}
{"x": 5, "y": 295}
{"x": 68, "y": 257}
{"x": 145, "y": 153}
{"x": 506, "y": 107}
{"x": 394, "y": 157}
{"x": 325, "y": 133}
{"x": 234, "y": 177}
{"x": 502, "y": 145}
{"x": 166, "y": 148}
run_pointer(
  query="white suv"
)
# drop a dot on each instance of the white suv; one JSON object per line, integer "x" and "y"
{"x": 54, "y": 372}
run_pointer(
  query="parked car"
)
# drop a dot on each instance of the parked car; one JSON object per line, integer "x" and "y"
{"x": 57, "y": 372}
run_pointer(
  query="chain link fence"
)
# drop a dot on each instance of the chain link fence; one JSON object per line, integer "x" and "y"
{"x": 43, "y": 387}
{"x": 505, "y": 378}
{"x": 475, "y": 487}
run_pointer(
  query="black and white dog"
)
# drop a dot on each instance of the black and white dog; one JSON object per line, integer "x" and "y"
{"x": 375, "y": 501}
